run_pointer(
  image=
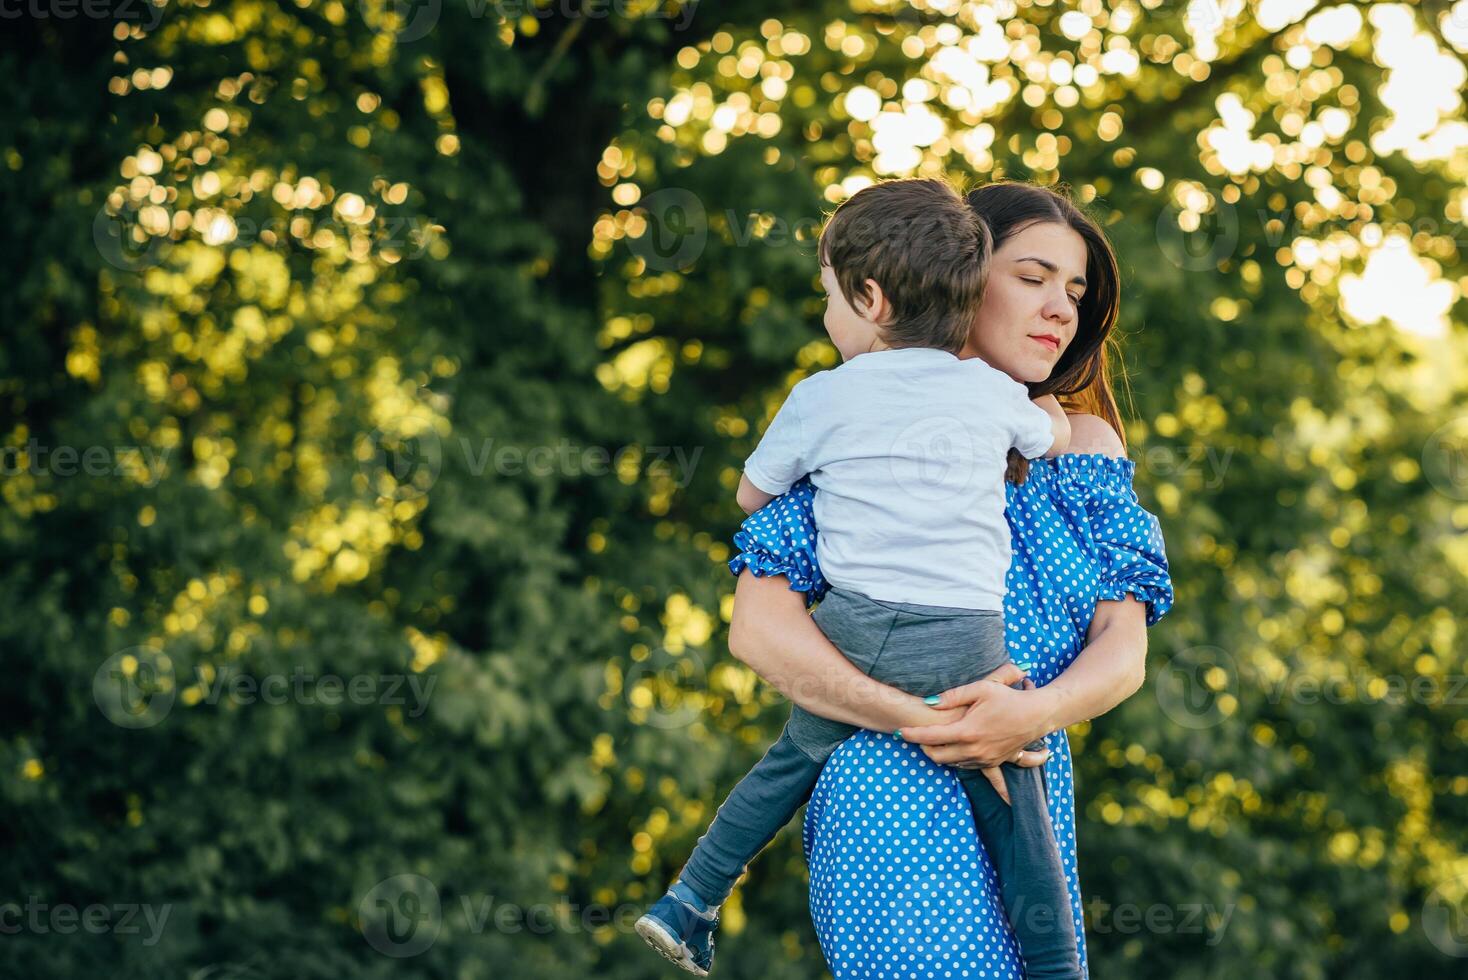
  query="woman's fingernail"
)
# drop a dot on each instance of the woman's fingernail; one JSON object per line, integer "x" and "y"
{"x": 932, "y": 699}
{"x": 897, "y": 733}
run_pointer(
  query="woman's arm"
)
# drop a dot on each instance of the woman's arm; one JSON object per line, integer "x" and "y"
{"x": 1108, "y": 670}
{"x": 774, "y": 636}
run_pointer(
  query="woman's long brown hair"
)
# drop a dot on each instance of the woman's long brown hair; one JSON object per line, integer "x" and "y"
{"x": 1082, "y": 377}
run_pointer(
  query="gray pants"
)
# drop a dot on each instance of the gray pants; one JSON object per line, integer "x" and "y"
{"x": 921, "y": 650}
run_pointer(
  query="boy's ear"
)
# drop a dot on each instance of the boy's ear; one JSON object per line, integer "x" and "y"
{"x": 874, "y": 305}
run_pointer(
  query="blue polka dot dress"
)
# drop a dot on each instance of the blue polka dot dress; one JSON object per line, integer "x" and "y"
{"x": 900, "y": 886}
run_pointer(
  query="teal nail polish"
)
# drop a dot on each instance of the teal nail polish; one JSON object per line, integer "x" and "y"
{"x": 932, "y": 699}
{"x": 897, "y": 733}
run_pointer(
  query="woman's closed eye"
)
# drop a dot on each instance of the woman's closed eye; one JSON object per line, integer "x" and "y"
{"x": 1037, "y": 281}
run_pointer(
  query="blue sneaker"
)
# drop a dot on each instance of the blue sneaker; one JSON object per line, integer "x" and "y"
{"x": 678, "y": 928}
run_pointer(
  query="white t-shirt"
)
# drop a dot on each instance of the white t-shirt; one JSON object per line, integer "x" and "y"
{"x": 906, "y": 449}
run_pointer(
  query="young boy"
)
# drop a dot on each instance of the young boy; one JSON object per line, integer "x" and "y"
{"x": 906, "y": 446}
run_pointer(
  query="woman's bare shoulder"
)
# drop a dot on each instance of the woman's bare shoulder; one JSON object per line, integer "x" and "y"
{"x": 1092, "y": 434}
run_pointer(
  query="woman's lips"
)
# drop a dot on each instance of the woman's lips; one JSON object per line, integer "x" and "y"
{"x": 1050, "y": 341}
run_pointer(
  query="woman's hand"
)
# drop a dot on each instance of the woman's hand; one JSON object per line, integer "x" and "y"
{"x": 999, "y": 722}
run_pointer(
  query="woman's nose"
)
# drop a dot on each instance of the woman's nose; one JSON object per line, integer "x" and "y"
{"x": 1060, "y": 309}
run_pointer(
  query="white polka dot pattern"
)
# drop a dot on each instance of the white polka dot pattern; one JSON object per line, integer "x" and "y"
{"x": 900, "y": 884}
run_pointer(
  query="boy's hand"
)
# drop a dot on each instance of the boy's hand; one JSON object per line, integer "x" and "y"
{"x": 1059, "y": 424}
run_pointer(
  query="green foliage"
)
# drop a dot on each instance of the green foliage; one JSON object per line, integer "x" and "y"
{"x": 433, "y": 399}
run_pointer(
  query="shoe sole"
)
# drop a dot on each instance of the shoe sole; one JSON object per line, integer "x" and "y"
{"x": 673, "y": 949}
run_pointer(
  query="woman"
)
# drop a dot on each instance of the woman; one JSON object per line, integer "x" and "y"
{"x": 900, "y": 885}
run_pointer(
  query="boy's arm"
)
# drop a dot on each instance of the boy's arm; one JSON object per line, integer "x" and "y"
{"x": 1059, "y": 424}
{"x": 778, "y": 461}
{"x": 751, "y": 498}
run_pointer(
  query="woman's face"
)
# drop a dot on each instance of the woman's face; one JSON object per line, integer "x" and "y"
{"x": 1031, "y": 306}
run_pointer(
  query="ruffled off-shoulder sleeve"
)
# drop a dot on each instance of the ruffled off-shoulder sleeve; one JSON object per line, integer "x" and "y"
{"x": 780, "y": 539}
{"x": 1127, "y": 537}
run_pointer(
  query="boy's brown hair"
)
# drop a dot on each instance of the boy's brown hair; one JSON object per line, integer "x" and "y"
{"x": 926, "y": 248}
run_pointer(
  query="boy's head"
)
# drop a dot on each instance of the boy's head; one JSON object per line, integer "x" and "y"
{"x": 904, "y": 263}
